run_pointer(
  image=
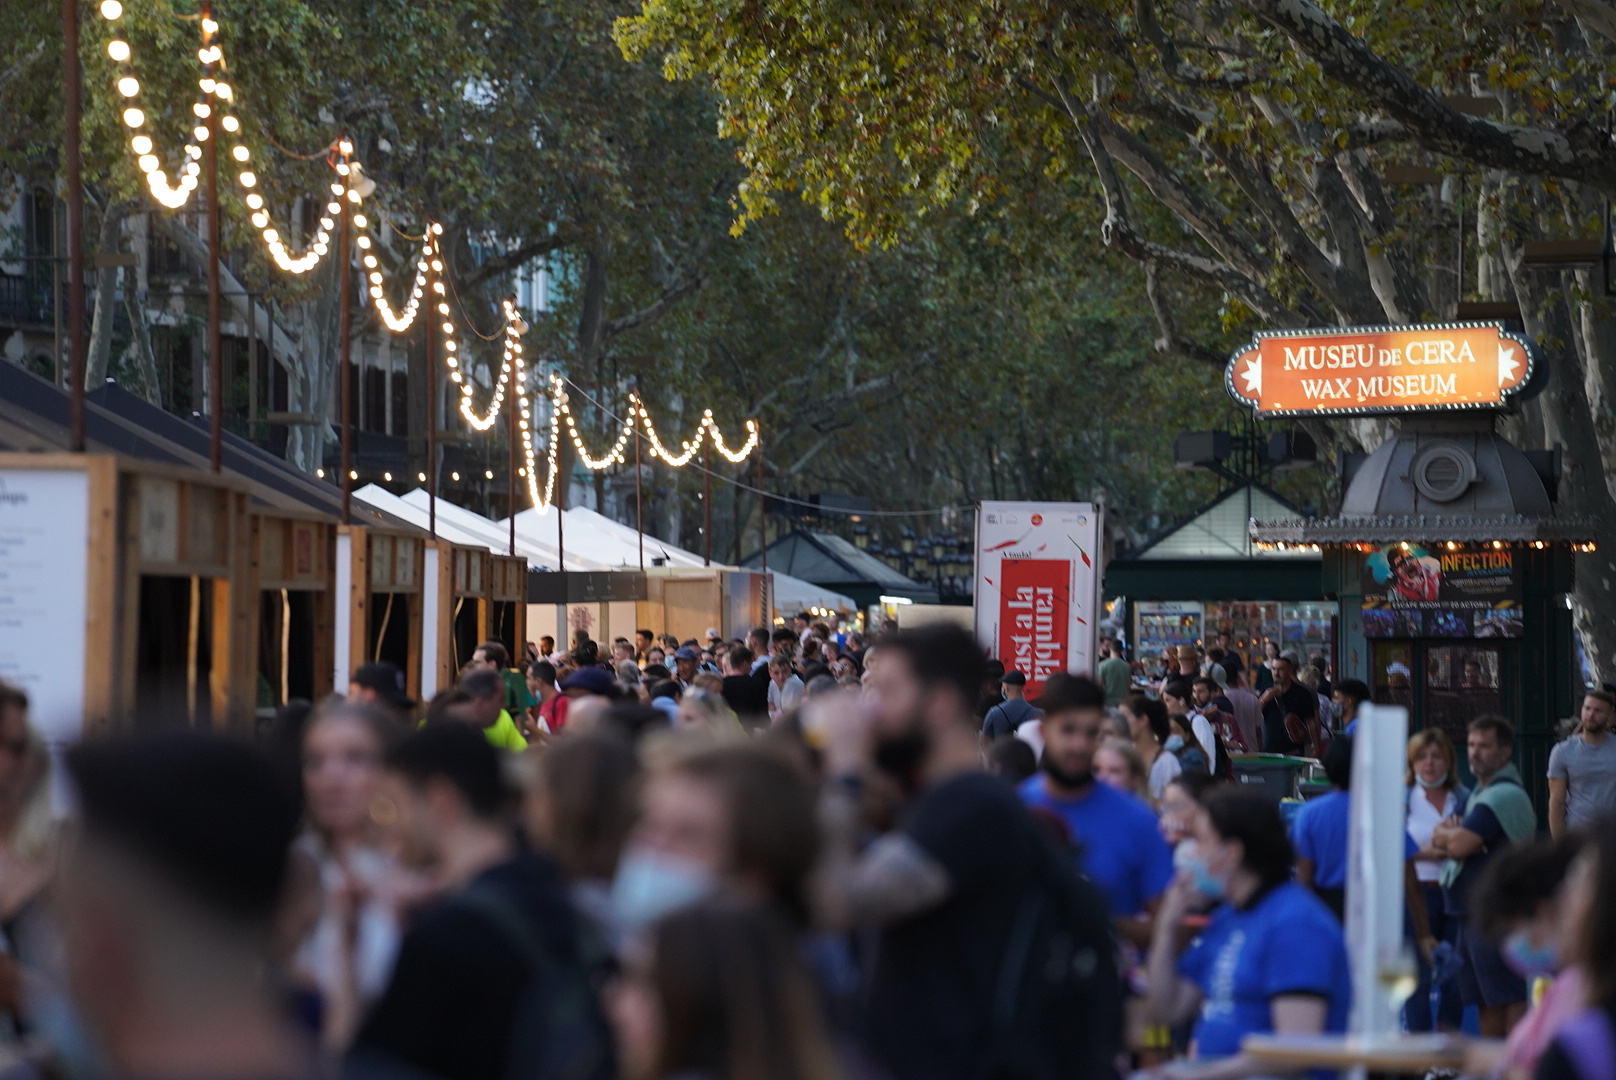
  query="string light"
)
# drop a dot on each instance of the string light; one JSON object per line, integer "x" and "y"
{"x": 171, "y": 195}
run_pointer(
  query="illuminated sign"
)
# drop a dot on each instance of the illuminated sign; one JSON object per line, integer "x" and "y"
{"x": 1360, "y": 370}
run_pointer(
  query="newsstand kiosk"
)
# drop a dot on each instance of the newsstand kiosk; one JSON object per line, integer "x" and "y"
{"x": 1449, "y": 558}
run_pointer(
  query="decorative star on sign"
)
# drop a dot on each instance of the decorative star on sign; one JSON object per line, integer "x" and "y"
{"x": 1253, "y": 375}
{"x": 1506, "y": 365}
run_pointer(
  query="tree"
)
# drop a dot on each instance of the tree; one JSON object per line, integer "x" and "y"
{"x": 1274, "y": 132}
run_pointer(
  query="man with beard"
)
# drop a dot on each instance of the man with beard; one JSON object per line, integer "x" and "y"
{"x": 1290, "y": 712}
{"x": 1120, "y": 847}
{"x": 1582, "y": 770}
{"x": 946, "y": 887}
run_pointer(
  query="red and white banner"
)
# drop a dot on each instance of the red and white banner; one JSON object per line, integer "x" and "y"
{"x": 1038, "y": 578}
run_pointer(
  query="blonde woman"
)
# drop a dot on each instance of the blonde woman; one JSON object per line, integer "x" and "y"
{"x": 1434, "y": 795}
{"x": 1118, "y": 762}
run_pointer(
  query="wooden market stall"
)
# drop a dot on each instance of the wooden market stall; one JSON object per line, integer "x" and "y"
{"x": 124, "y": 591}
{"x": 379, "y": 608}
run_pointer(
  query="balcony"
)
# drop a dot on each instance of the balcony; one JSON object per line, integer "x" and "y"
{"x": 25, "y": 300}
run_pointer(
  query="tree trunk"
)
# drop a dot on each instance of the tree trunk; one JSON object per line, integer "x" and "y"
{"x": 147, "y": 383}
{"x": 99, "y": 352}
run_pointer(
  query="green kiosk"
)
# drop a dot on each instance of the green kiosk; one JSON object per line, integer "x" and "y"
{"x": 1448, "y": 557}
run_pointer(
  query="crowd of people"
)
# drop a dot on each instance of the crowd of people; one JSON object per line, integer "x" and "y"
{"x": 797, "y": 856}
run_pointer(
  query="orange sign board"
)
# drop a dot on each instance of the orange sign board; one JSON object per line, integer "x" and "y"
{"x": 1381, "y": 369}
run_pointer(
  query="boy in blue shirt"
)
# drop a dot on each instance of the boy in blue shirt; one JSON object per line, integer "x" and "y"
{"x": 1120, "y": 846}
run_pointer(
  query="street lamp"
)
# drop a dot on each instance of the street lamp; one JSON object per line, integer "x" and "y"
{"x": 937, "y": 549}
{"x": 861, "y": 536}
{"x": 907, "y": 542}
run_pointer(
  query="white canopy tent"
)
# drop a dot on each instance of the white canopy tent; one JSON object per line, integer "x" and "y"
{"x": 589, "y": 544}
{"x": 792, "y": 595}
{"x": 593, "y": 523}
{"x": 458, "y": 525}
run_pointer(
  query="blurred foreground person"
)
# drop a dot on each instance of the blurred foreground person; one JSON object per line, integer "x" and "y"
{"x": 348, "y": 953}
{"x": 1585, "y": 1048}
{"x": 167, "y": 901}
{"x": 1271, "y": 960}
{"x": 1529, "y": 904}
{"x": 994, "y": 958}
{"x": 717, "y": 992}
{"x": 488, "y": 979}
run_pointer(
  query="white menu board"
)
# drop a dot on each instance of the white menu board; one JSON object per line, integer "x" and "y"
{"x": 44, "y": 571}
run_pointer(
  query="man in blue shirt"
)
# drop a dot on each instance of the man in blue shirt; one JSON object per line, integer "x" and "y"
{"x": 1120, "y": 846}
{"x": 1319, "y": 832}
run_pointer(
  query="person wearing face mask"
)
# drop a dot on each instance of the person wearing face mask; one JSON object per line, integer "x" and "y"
{"x": 737, "y": 819}
{"x": 1526, "y": 901}
{"x": 1181, "y": 743}
{"x": 1585, "y": 1046}
{"x": 1271, "y": 959}
{"x": 946, "y": 890}
{"x": 1122, "y": 850}
{"x": 1582, "y": 769}
{"x": 1179, "y": 697}
{"x": 1434, "y": 796}
{"x": 1345, "y": 699}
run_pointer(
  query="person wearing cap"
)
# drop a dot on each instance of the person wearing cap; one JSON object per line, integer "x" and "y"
{"x": 381, "y": 684}
{"x": 486, "y": 710}
{"x": 1008, "y": 715}
{"x": 686, "y": 661}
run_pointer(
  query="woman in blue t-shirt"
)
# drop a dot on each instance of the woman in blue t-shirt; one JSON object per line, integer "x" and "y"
{"x": 1271, "y": 959}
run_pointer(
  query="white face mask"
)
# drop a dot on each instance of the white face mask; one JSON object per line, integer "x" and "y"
{"x": 1431, "y": 785}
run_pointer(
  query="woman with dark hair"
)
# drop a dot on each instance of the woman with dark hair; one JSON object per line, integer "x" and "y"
{"x": 358, "y": 888}
{"x": 717, "y": 991}
{"x": 1147, "y": 726}
{"x": 1585, "y": 1048}
{"x": 1271, "y": 959}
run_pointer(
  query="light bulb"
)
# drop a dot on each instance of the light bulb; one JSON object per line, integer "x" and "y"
{"x": 223, "y": 91}
{"x": 319, "y": 249}
{"x": 193, "y": 152}
{"x": 320, "y": 473}
{"x": 200, "y": 133}
{"x": 376, "y": 276}
{"x": 353, "y": 474}
{"x": 326, "y": 223}
{"x": 437, "y": 266}
{"x": 345, "y": 146}
{"x": 387, "y": 476}
{"x": 202, "y": 109}
{"x": 360, "y": 221}
{"x": 488, "y": 474}
{"x": 260, "y": 219}
{"x": 370, "y": 262}
{"x": 271, "y": 236}
{"x": 148, "y": 162}
{"x": 255, "y": 201}
{"x": 111, "y": 9}
{"x": 362, "y": 241}
{"x": 454, "y": 476}
{"x": 239, "y": 153}
{"x": 444, "y": 308}
{"x": 342, "y": 169}
{"x": 248, "y": 179}
{"x": 118, "y": 50}
{"x": 353, "y": 196}
{"x": 134, "y": 117}
{"x": 209, "y": 27}
{"x": 204, "y": 54}
{"x": 128, "y": 86}
{"x": 192, "y": 169}
{"x": 333, "y": 208}
{"x": 230, "y": 123}
{"x": 421, "y": 477}
{"x": 437, "y": 230}
{"x": 207, "y": 85}
{"x": 140, "y": 144}
{"x": 448, "y": 328}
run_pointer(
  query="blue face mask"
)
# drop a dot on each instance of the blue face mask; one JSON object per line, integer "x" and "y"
{"x": 1207, "y": 883}
{"x": 649, "y": 884}
{"x": 1529, "y": 960}
{"x": 1174, "y": 743}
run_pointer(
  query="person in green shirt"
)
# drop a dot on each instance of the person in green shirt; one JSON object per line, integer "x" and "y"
{"x": 1115, "y": 674}
{"x": 485, "y": 709}
{"x": 494, "y": 656}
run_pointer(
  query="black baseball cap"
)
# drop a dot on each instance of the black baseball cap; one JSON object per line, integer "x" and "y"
{"x": 386, "y": 680}
{"x": 1014, "y": 678}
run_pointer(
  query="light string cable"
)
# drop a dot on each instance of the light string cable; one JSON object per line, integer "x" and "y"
{"x": 144, "y": 148}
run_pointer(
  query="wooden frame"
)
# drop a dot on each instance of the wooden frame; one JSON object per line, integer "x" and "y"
{"x": 371, "y": 563}
{"x": 149, "y": 520}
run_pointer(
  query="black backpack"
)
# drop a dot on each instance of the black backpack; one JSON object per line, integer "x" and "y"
{"x": 1057, "y": 1008}
{"x": 559, "y": 1031}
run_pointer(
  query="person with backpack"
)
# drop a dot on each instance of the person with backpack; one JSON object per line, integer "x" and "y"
{"x": 1008, "y": 715}
{"x": 993, "y": 957}
{"x": 1272, "y": 958}
{"x": 491, "y": 980}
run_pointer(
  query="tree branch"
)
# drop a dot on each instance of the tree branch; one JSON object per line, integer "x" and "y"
{"x": 515, "y": 260}
{"x": 686, "y": 283}
{"x": 1439, "y": 126}
{"x": 1171, "y": 341}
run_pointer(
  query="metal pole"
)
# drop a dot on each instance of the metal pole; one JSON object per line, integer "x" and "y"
{"x": 763, "y": 535}
{"x": 75, "y": 225}
{"x": 639, "y": 486}
{"x": 706, "y": 504}
{"x": 344, "y": 239}
{"x": 210, "y": 168}
{"x": 431, "y": 431}
{"x": 252, "y": 365}
{"x": 561, "y": 506}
